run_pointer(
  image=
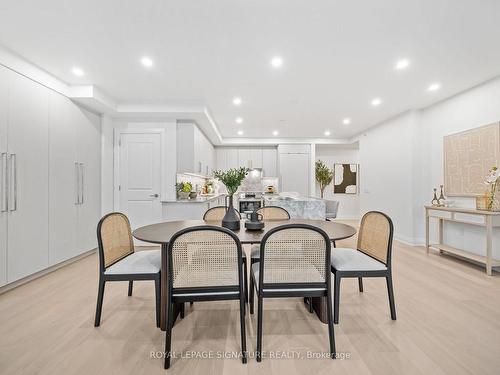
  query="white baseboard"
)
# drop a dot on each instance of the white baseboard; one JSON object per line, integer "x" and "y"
{"x": 44, "y": 272}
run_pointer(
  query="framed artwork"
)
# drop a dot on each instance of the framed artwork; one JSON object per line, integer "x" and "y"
{"x": 345, "y": 178}
{"x": 468, "y": 157}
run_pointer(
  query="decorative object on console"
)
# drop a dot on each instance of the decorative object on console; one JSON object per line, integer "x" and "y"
{"x": 468, "y": 156}
{"x": 231, "y": 179}
{"x": 441, "y": 198}
{"x": 345, "y": 178}
{"x": 492, "y": 182}
{"x": 324, "y": 176}
{"x": 435, "y": 201}
{"x": 183, "y": 189}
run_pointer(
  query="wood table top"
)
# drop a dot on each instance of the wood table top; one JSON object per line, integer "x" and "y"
{"x": 161, "y": 233}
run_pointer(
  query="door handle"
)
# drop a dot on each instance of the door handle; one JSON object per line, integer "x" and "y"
{"x": 154, "y": 195}
{"x": 77, "y": 184}
{"x": 4, "y": 187}
{"x": 13, "y": 180}
{"x": 82, "y": 199}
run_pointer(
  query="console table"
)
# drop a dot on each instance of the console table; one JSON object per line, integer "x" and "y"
{"x": 485, "y": 219}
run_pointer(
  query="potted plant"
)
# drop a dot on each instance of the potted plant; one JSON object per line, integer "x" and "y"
{"x": 231, "y": 179}
{"x": 324, "y": 176}
{"x": 183, "y": 189}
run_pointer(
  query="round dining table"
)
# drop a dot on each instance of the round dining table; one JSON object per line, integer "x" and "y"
{"x": 161, "y": 234}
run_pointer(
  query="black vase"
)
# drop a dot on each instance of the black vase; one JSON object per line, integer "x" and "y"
{"x": 231, "y": 219}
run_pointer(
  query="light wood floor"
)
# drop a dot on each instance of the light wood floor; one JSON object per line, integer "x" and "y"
{"x": 448, "y": 323}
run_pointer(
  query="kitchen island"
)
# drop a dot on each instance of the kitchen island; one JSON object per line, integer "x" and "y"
{"x": 298, "y": 207}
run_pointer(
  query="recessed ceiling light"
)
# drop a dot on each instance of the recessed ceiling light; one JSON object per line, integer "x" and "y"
{"x": 402, "y": 64}
{"x": 276, "y": 61}
{"x": 147, "y": 61}
{"x": 237, "y": 100}
{"x": 327, "y": 132}
{"x": 275, "y": 133}
{"x": 434, "y": 86}
{"x": 376, "y": 102}
{"x": 240, "y": 132}
{"x": 238, "y": 120}
{"x": 346, "y": 121}
{"x": 77, "y": 71}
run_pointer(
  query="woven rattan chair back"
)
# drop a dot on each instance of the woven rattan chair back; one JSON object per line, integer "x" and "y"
{"x": 115, "y": 238}
{"x": 273, "y": 213}
{"x": 205, "y": 256}
{"x": 295, "y": 254}
{"x": 217, "y": 213}
{"x": 375, "y": 236}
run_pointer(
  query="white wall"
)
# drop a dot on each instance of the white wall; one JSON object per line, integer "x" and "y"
{"x": 331, "y": 154}
{"x": 401, "y": 161}
{"x": 109, "y": 201}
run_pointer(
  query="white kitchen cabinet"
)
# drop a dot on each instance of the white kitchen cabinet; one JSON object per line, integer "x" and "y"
{"x": 195, "y": 153}
{"x": 27, "y": 238}
{"x": 294, "y": 172}
{"x": 244, "y": 157}
{"x": 232, "y": 158}
{"x": 269, "y": 161}
{"x": 4, "y": 78}
{"x": 220, "y": 158}
{"x": 64, "y": 174}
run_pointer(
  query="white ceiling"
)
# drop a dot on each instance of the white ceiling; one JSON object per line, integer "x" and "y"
{"x": 338, "y": 55}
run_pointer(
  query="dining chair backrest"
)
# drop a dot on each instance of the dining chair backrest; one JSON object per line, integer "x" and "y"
{"x": 294, "y": 254}
{"x": 332, "y": 208}
{"x": 217, "y": 213}
{"x": 375, "y": 236}
{"x": 273, "y": 213}
{"x": 114, "y": 238}
{"x": 203, "y": 257}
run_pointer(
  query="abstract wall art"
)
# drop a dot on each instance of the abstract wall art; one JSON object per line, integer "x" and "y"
{"x": 345, "y": 179}
{"x": 468, "y": 156}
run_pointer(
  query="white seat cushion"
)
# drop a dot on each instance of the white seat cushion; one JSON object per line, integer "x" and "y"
{"x": 148, "y": 261}
{"x": 353, "y": 260}
{"x": 255, "y": 254}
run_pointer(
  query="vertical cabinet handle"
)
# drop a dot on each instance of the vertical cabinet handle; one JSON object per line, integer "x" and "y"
{"x": 77, "y": 184}
{"x": 4, "y": 187}
{"x": 13, "y": 181}
{"x": 82, "y": 196}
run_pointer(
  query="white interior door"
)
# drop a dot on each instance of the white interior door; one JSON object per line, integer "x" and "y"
{"x": 140, "y": 177}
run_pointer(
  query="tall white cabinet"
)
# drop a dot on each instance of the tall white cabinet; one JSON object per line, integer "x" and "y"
{"x": 195, "y": 153}
{"x": 295, "y": 168}
{"x": 43, "y": 135}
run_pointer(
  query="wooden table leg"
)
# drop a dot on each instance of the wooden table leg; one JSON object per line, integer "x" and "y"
{"x": 320, "y": 307}
{"x": 489, "y": 244}
{"x": 164, "y": 288}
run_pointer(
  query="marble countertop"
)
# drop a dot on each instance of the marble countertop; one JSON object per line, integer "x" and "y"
{"x": 198, "y": 199}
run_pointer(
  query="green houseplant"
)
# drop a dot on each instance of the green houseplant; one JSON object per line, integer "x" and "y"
{"x": 183, "y": 189}
{"x": 232, "y": 180}
{"x": 324, "y": 176}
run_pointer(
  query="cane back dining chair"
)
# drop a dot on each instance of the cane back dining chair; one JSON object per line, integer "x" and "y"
{"x": 204, "y": 264}
{"x": 295, "y": 262}
{"x": 217, "y": 214}
{"x": 371, "y": 258}
{"x": 118, "y": 261}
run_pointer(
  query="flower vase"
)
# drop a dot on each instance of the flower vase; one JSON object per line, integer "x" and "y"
{"x": 231, "y": 219}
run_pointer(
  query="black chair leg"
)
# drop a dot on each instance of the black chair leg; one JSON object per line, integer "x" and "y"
{"x": 360, "y": 284}
{"x": 331, "y": 331}
{"x": 390, "y": 292}
{"x": 242, "y": 327}
{"x": 251, "y": 291}
{"x": 245, "y": 281}
{"x": 336, "y": 298}
{"x": 158, "y": 300}
{"x": 260, "y": 303}
{"x": 310, "y": 303}
{"x": 183, "y": 311}
{"x": 191, "y": 303}
{"x": 168, "y": 334}
{"x": 130, "y": 286}
{"x": 100, "y": 297}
